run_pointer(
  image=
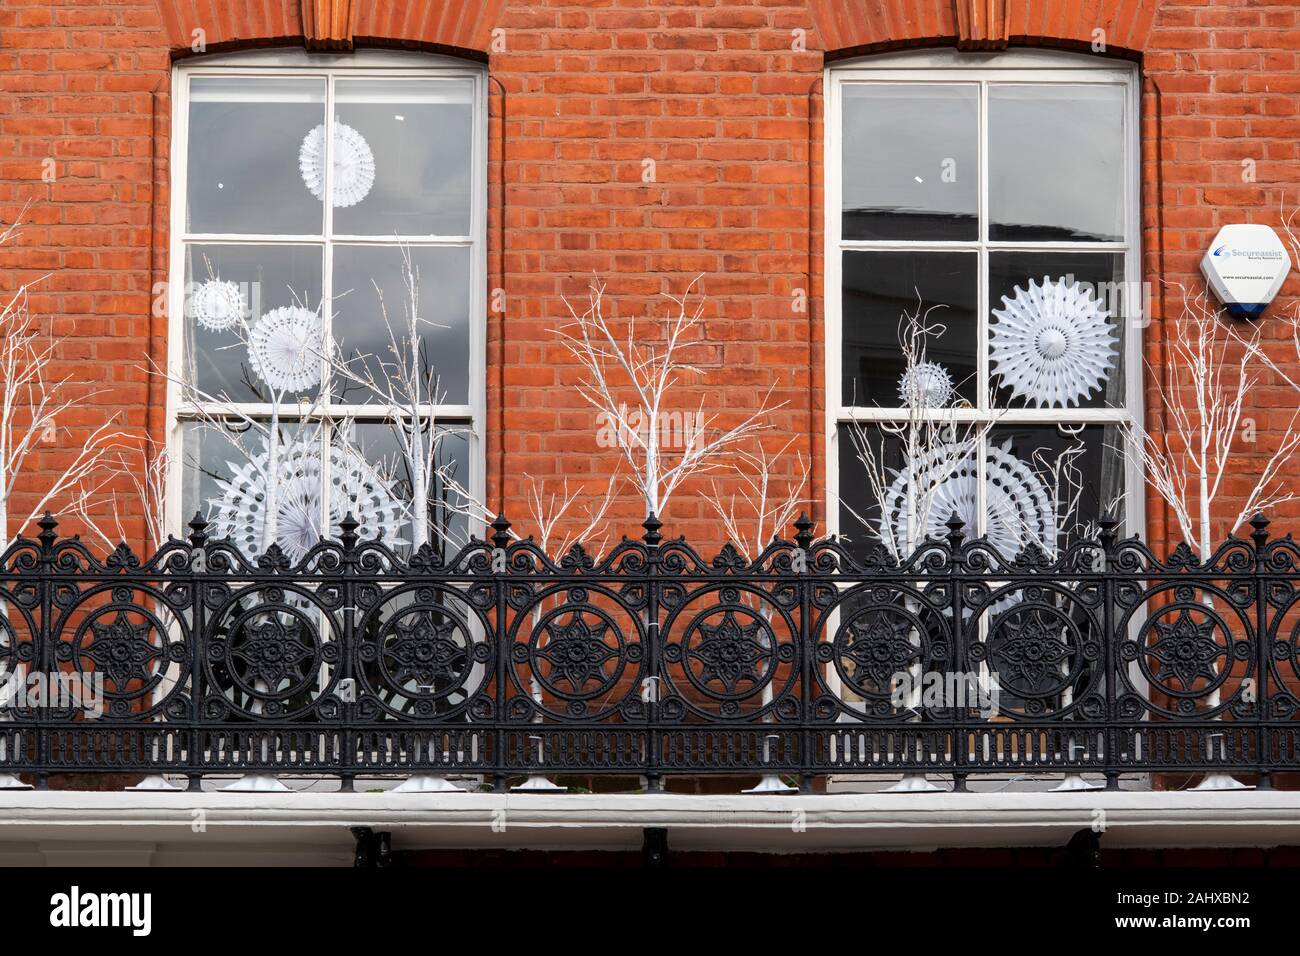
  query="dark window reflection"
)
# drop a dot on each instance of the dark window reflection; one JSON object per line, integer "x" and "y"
{"x": 242, "y": 164}
{"x": 909, "y": 162}
{"x": 878, "y": 288}
{"x": 446, "y": 523}
{"x": 1079, "y": 467}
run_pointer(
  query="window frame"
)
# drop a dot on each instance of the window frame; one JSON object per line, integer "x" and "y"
{"x": 471, "y": 415}
{"x": 947, "y": 67}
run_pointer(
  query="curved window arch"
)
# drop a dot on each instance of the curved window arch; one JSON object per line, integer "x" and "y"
{"x": 397, "y": 141}
{"x": 996, "y": 197}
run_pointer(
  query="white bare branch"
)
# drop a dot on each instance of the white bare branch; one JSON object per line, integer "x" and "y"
{"x": 764, "y": 504}
{"x": 648, "y": 369}
{"x": 33, "y": 408}
{"x": 1212, "y": 368}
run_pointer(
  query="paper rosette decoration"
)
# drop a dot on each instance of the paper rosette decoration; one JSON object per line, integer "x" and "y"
{"x": 1019, "y": 508}
{"x": 925, "y": 385}
{"x": 354, "y": 164}
{"x": 217, "y": 305}
{"x": 355, "y": 486}
{"x": 1052, "y": 345}
{"x": 285, "y": 347}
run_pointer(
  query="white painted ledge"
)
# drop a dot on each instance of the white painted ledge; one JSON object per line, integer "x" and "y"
{"x": 83, "y": 828}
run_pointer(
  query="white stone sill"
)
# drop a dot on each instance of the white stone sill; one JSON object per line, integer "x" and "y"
{"x": 313, "y": 827}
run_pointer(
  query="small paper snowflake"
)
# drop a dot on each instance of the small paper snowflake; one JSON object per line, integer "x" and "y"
{"x": 925, "y": 385}
{"x": 217, "y": 305}
{"x": 285, "y": 346}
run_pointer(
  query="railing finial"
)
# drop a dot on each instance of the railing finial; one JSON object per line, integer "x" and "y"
{"x": 348, "y": 531}
{"x": 1260, "y": 533}
{"x": 955, "y": 527}
{"x": 803, "y": 531}
{"x": 198, "y": 530}
{"x": 652, "y": 524}
{"x": 48, "y": 524}
{"x": 1108, "y": 527}
{"x": 500, "y": 531}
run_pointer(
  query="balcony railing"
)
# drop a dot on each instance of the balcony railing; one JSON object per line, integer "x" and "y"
{"x": 650, "y": 661}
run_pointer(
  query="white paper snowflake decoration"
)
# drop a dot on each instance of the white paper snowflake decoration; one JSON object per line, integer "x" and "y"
{"x": 354, "y": 164}
{"x": 1018, "y": 506}
{"x": 925, "y": 385}
{"x": 285, "y": 346}
{"x": 217, "y": 305}
{"x": 355, "y": 486}
{"x": 1052, "y": 345}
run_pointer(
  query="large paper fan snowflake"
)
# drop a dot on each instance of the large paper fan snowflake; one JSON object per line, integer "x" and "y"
{"x": 1052, "y": 345}
{"x": 355, "y": 486}
{"x": 217, "y": 305}
{"x": 1019, "y": 508}
{"x": 285, "y": 346}
{"x": 354, "y": 164}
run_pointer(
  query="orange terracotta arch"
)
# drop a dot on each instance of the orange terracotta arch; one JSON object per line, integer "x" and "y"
{"x": 849, "y": 27}
{"x": 462, "y": 26}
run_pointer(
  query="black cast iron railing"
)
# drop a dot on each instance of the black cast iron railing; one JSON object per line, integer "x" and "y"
{"x": 651, "y": 661}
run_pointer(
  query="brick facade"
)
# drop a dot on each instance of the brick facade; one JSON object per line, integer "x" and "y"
{"x": 725, "y": 96}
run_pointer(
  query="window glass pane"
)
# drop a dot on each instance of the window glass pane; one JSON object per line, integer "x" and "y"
{"x": 1056, "y": 162}
{"x": 447, "y": 526}
{"x": 1051, "y": 484}
{"x": 370, "y": 283}
{"x": 418, "y": 136}
{"x": 878, "y": 288}
{"x": 1056, "y": 329}
{"x": 235, "y": 296}
{"x": 909, "y": 161}
{"x": 243, "y": 171}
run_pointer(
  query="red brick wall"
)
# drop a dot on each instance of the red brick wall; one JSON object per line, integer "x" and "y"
{"x": 583, "y": 93}
{"x": 715, "y": 95}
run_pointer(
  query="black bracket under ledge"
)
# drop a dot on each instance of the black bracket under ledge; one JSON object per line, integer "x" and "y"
{"x": 374, "y": 850}
{"x": 654, "y": 847}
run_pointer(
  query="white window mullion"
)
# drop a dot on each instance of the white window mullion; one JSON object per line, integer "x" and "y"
{"x": 327, "y": 311}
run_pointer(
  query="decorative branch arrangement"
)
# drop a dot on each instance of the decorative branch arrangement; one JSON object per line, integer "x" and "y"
{"x": 760, "y": 511}
{"x": 32, "y": 408}
{"x": 616, "y": 365}
{"x": 1212, "y": 368}
{"x": 144, "y": 470}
